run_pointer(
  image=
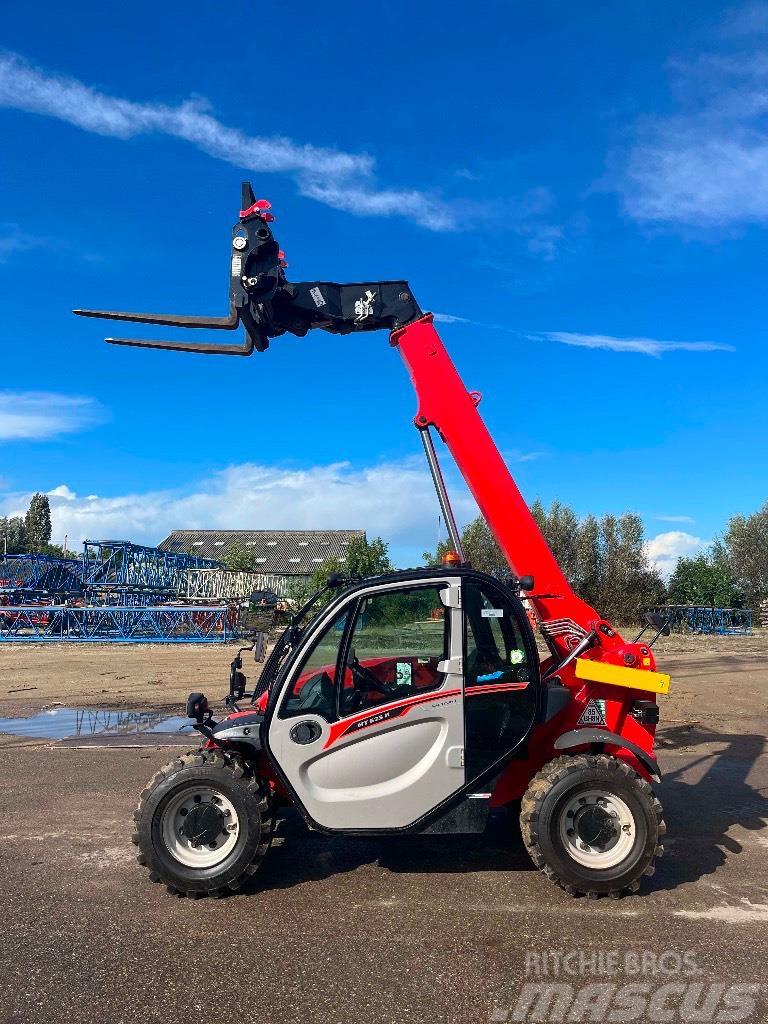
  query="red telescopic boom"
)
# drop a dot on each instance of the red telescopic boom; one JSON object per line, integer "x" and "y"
{"x": 445, "y": 404}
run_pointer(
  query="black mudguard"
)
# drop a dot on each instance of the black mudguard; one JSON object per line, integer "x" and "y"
{"x": 582, "y": 737}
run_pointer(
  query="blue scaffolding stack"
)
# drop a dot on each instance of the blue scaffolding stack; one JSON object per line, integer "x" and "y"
{"x": 689, "y": 618}
{"x": 115, "y": 592}
{"x": 30, "y": 575}
{"x": 133, "y": 574}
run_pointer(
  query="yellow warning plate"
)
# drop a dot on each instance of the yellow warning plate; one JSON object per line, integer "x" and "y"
{"x": 619, "y": 675}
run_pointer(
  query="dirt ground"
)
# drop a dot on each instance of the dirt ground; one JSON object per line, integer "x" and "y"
{"x": 418, "y": 930}
{"x": 136, "y": 676}
{"x": 716, "y": 680}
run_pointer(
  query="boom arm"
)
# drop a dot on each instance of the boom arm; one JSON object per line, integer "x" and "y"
{"x": 267, "y": 305}
{"x": 445, "y": 403}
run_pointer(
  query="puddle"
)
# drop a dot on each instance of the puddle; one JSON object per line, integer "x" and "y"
{"x": 76, "y": 723}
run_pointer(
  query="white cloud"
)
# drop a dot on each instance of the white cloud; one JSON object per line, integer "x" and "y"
{"x": 13, "y": 239}
{"x": 644, "y": 346}
{"x": 62, "y": 491}
{"x": 675, "y": 519}
{"x": 39, "y": 415}
{"x": 449, "y": 318}
{"x": 395, "y": 500}
{"x": 664, "y": 549}
{"x": 515, "y": 455}
{"x": 707, "y": 165}
{"x": 345, "y": 181}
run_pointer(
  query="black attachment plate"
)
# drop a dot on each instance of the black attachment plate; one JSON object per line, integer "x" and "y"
{"x": 267, "y": 305}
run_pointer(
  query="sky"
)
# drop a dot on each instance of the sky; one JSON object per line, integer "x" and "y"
{"x": 581, "y": 193}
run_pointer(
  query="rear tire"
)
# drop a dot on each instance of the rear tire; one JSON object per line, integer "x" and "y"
{"x": 203, "y": 824}
{"x": 592, "y": 825}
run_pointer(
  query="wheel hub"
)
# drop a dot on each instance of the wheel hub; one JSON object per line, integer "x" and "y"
{"x": 597, "y": 828}
{"x": 203, "y": 824}
{"x": 594, "y": 825}
{"x": 200, "y": 826}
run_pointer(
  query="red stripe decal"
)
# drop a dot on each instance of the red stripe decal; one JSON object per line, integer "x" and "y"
{"x": 472, "y": 691}
{"x": 383, "y": 713}
{"x": 386, "y": 712}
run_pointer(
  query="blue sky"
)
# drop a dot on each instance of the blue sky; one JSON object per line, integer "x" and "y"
{"x": 582, "y": 192}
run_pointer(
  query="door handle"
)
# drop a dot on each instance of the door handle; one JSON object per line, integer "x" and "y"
{"x": 305, "y": 732}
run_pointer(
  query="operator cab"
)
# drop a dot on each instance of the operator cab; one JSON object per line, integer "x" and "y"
{"x": 402, "y": 700}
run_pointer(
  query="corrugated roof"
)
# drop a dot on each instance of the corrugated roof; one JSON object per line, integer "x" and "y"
{"x": 281, "y": 552}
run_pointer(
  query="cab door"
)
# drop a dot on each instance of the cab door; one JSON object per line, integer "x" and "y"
{"x": 501, "y": 676}
{"x": 369, "y": 724}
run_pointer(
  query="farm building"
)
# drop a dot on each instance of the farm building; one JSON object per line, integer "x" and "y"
{"x": 282, "y": 558}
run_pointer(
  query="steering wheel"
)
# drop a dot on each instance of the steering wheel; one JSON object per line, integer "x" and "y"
{"x": 363, "y": 679}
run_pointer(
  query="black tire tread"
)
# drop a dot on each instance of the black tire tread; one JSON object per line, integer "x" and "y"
{"x": 553, "y": 772}
{"x": 239, "y": 770}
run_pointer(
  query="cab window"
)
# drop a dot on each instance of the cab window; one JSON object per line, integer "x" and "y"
{"x": 496, "y": 648}
{"x": 398, "y": 639}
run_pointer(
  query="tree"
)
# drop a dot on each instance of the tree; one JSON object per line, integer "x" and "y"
{"x": 604, "y": 561}
{"x": 482, "y": 551}
{"x": 744, "y": 549}
{"x": 364, "y": 558}
{"x": 57, "y": 551}
{"x": 13, "y": 538}
{"x": 704, "y": 580}
{"x": 37, "y": 522}
{"x": 561, "y": 531}
{"x": 587, "y": 580}
{"x": 238, "y": 559}
{"x": 434, "y": 558}
{"x": 636, "y": 584}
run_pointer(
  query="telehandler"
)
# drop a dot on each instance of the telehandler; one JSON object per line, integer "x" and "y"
{"x": 414, "y": 702}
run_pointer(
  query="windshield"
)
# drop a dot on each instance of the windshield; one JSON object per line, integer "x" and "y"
{"x": 286, "y": 643}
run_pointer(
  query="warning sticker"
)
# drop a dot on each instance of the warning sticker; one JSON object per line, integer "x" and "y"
{"x": 492, "y": 613}
{"x": 594, "y": 713}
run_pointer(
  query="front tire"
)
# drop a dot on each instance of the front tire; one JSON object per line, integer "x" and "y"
{"x": 204, "y": 824}
{"x": 592, "y": 825}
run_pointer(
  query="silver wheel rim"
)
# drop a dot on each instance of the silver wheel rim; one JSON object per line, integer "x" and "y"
{"x": 612, "y": 842}
{"x": 181, "y": 846}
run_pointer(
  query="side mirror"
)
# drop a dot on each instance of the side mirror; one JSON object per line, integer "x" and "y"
{"x": 237, "y": 682}
{"x": 260, "y": 646}
{"x": 197, "y": 706}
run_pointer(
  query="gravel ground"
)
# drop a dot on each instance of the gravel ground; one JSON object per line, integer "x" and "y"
{"x": 344, "y": 930}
